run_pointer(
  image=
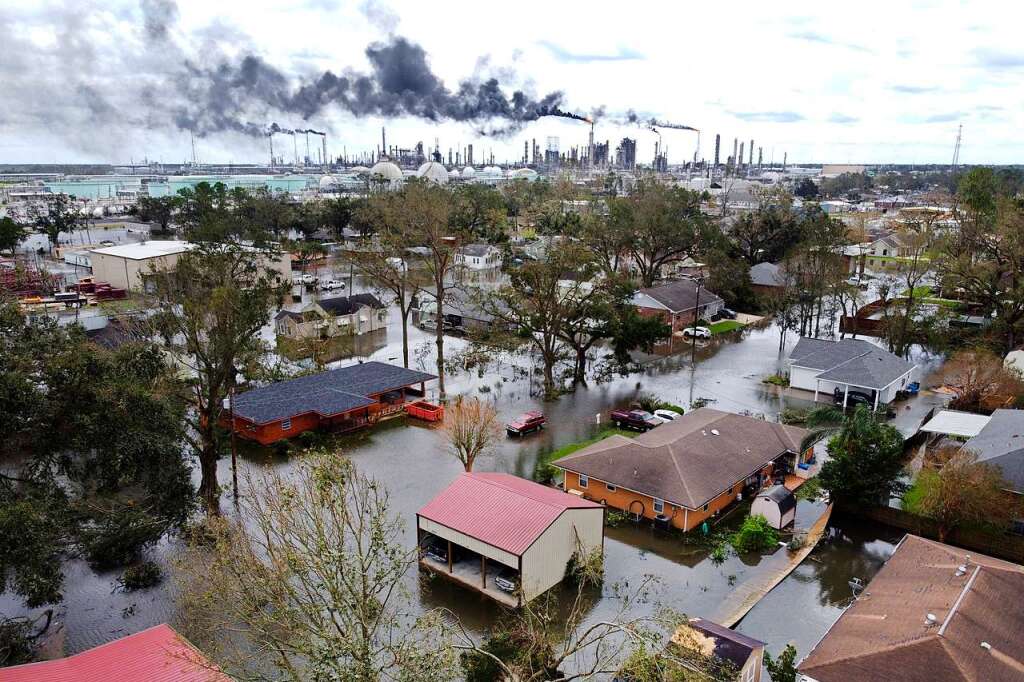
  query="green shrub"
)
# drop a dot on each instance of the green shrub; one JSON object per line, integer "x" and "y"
{"x": 755, "y": 535}
{"x": 794, "y": 416}
{"x": 140, "y": 576}
{"x": 719, "y": 553}
{"x": 776, "y": 380}
{"x": 613, "y": 518}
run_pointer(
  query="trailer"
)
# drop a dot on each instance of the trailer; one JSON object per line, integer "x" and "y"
{"x": 421, "y": 409}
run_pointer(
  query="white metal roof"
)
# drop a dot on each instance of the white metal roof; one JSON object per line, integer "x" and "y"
{"x": 954, "y": 423}
{"x": 144, "y": 250}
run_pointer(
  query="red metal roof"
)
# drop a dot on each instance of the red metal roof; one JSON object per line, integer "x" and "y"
{"x": 501, "y": 510}
{"x": 158, "y": 654}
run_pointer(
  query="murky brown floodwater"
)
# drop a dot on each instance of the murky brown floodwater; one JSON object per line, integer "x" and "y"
{"x": 410, "y": 459}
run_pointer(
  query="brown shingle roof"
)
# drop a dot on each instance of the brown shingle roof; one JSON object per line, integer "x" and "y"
{"x": 884, "y": 635}
{"x": 684, "y": 461}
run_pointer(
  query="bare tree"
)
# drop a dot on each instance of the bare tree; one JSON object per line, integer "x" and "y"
{"x": 307, "y": 584}
{"x": 978, "y": 379}
{"x": 908, "y": 270}
{"x": 471, "y": 427}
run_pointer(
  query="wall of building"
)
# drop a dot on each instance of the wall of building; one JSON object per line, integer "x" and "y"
{"x": 127, "y": 273}
{"x": 638, "y": 503}
{"x": 265, "y": 434}
{"x": 545, "y": 560}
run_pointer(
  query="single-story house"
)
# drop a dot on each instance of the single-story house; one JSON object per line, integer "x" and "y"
{"x": 1000, "y": 443}
{"x": 157, "y": 653}
{"x": 329, "y": 317}
{"x": 889, "y": 246}
{"x": 766, "y": 278}
{"x": 339, "y": 399}
{"x": 827, "y": 366}
{"x": 678, "y": 303}
{"x": 932, "y": 612}
{"x": 776, "y": 504}
{"x": 497, "y": 526}
{"x": 478, "y": 257}
{"x": 687, "y": 470}
{"x": 746, "y": 654}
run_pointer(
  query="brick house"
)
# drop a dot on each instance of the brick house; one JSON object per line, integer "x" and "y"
{"x": 676, "y": 303}
{"x": 687, "y": 470}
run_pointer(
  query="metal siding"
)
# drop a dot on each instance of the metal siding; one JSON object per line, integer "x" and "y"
{"x": 468, "y": 542}
{"x": 545, "y": 561}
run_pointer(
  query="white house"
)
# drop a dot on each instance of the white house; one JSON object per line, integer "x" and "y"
{"x": 486, "y": 530}
{"x": 478, "y": 257}
{"x": 329, "y": 317}
{"x": 850, "y": 364}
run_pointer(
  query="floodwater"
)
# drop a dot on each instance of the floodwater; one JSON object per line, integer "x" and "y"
{"x": 410, "y": 459}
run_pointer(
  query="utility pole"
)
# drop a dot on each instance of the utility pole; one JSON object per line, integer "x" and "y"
{"x": 693, "y": 337}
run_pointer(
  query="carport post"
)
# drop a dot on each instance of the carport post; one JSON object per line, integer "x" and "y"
{"x": 483, "y": 572}
{"x": 817, "y": 386}
{"x": 846, "y": 395}
{"x": 877, "y": 393}
{"x": 449, "y": 556}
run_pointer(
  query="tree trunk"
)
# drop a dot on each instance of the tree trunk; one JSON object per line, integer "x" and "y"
{"x": 209, "y": 490}
{"x": 439, "y": 323}
{"x": 405, "y": 336}
{"x": 549, "y": 377}
{"x": 579, "y": 374}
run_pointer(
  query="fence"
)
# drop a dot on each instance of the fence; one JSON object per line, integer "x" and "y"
{"x": 1000, "y": 545}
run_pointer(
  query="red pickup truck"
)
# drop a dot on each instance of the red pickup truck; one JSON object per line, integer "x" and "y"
{"x": 634, "y": 419}
{"x": 525, "y": 423}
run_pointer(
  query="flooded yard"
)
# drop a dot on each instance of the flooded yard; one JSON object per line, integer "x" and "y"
{"x": 410, "y": 459}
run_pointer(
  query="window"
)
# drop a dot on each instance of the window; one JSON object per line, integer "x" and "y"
{"x": 610, "y": 487}
{"x": 584, "y": 481}
{"x": 659, "y": 506}
{"x": 286, "y": 424}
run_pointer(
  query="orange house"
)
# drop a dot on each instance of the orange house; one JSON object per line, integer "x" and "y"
{"x": 687, "y": 470}
{"x": 339, "y": 400}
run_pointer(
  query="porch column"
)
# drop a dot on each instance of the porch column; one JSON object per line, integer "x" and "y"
{"x": 846, "y": 395}
{"x": 877, "y": 393}
{"x": 449, "y": 556}
{"x": 483, "y": 572}
{"x": 686, "y": 519}
{"x": 817, "y": 386}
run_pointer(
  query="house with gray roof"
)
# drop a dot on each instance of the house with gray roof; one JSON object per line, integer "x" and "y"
{"x": 767, "y": 277}
{"x": 1000, "y": 443}
{"x": 848, "y": 365}
{"x": 330, "y": 317}
{"x": 678, "y": 303}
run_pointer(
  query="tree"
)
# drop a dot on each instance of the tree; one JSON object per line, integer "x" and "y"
{"x": 769, "y": 232}
{"x": 479, "y": 210}
{"x": 470, "y": 426}
{"x": 159, "y": 210}
{"x": 59, "y": 214}
{"x": 783, "y": 667}
{"x": 983, "y": 261}
{"x": 908, "y": 271}
{"x": 312, "y": 574}
{"x": 11, "y": 234}
{"x": 212, "y": 309}
{"x": 94, "y": 459}
{"x": 336, "y": 214}
{"x": 538, "y": 303}
{"x": 806, "y": 189}
{"x": 957, "y": 490}
{"x": 979, "y": 380}
{"x": 664, "y": 224}
{"x": 423, "y": 217}
{"x": 865, "y": 459}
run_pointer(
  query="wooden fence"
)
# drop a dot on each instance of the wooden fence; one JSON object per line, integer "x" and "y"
{"x": 1000, "y": 545}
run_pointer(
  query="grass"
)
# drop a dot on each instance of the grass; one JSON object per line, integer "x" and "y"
{"x": 328, "y": 349}
{"x": 543, "y": 471}
{"x": 922, "y": 291}
{"x": 724, "y": 326}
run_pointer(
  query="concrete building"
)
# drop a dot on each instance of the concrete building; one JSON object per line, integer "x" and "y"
{"x": 132, "y": 266}
{"x": 505, "y": 537}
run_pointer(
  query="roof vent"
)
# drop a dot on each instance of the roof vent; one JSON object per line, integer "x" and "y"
{"x": 636, "y": 472}
{"x": 986, "y": 646}
{"x": 960, "y": 570}
{"x": 703, "y": 432}
{"x": 716, "y": 432}
{"x": 930, "y": 619}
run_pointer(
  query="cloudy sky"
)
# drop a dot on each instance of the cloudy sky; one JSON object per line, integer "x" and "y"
{"x": 865, "y": 82}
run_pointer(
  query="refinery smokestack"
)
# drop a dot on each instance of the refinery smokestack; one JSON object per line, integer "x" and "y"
{"x": 718, "y": 144}
{"x": 751, "y": 162}
{"x": 735, "y": 157}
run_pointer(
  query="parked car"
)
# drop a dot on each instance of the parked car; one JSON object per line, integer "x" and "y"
{"x": 726, "y": 314}
{"x": 526, "y": 423}
{"x": 667, "y": 415}
{"x": 332, "y": 284}
{"x": 639, "y": 420}
{"x": 304, "y": 278}
{"x": 699, "y": 332}
{"x": 437, "y": 550}
{"x": 506, "y": 580}
{"x": 853, "y": 399}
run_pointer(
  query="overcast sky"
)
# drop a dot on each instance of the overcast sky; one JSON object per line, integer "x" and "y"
{"x": 826, "y": 82}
